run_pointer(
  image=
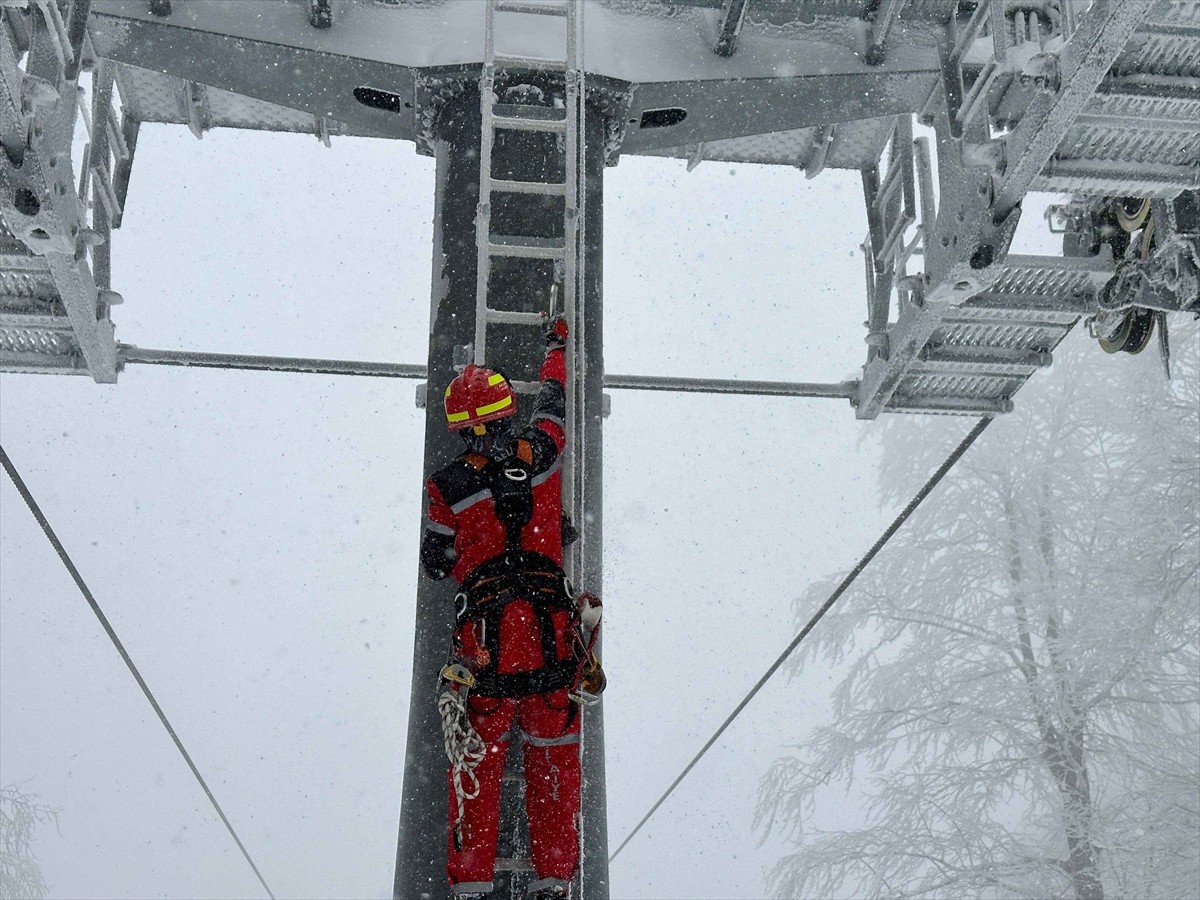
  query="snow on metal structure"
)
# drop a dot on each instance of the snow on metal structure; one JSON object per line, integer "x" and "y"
{"x": 1096, "y": 98}
{"x": 1049, "y": 95}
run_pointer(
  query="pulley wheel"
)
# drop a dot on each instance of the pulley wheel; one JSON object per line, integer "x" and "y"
{"x": 1133, "y": 334}
{"x": 1147, "y": 244}
{"x": 1131, "y": 213}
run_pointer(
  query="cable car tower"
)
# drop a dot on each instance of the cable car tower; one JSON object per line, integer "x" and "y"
{"x": 523, "y": 103}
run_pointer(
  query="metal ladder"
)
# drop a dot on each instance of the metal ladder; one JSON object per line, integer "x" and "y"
{"x": 520, "y": 117}
{"x": 567, "y": 253}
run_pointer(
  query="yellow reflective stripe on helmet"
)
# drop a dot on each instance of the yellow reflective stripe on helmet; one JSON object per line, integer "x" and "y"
{"x": 457, "y": 417}
{"x": 495, "y": 379}
{"x": 448, "y": 390}
{"x": 494, "y": 407}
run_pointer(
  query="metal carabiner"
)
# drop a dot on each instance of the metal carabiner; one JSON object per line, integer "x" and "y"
{"x": 456, "y": 673}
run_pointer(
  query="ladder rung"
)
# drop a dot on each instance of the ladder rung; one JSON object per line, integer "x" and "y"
{"x": 528, "y": 247}
{"x": 530, "y": 62}
{"x": 509, "y": 864}
{"x": 553, "y": 8}
{"x": 521, "y": 124}
{"x": 513, "y": 317}
{"x": 529, "y": 187}
{"x": 530, "y": 111}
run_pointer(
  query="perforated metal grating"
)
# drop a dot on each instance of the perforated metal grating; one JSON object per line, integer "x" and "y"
{"x": 37, "y": 340}
{"x": 1031, "y": 306}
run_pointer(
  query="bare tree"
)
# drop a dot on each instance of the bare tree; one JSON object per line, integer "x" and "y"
{"x": 20, "y": 814}
{"x": 1021, "y": 711}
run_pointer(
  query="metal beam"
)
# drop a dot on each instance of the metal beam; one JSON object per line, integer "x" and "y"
{"x": 732, "y": 17}
{"x": 275, "y": 56}
{"x": 1083, "y": 63}
{"x": 131, "y": 354}
{"x": 39, "y": 200}
{"x": 843, "y": 390}
{"x": 886, "y": 13}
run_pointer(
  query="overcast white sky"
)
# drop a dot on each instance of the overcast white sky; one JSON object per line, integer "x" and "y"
{"x": 253, "y": 536}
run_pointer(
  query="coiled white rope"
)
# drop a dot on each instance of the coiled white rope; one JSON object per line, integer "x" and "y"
{"x": 464, "y": 748}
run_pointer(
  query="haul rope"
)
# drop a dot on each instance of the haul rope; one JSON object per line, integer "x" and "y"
{"x": 19, "y": 483}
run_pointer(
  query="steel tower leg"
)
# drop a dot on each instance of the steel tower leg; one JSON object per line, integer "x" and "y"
{"x": 515, "y": 284}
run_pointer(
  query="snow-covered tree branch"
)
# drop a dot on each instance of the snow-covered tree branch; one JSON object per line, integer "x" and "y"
{"x": 1019, "y": 713}
{"x": 20, "y": 814}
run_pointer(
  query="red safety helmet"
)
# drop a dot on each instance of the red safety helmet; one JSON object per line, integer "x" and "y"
{"x": 477, "y": 396}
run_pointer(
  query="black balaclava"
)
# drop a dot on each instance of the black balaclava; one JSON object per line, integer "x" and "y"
{"x": 497, "y": 442}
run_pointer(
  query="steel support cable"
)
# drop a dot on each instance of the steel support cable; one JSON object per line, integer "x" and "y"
{"x": 112, "y": 636}
{"x": 825, "y": 607}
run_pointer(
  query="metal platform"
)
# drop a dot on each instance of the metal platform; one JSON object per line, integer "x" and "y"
{"x": 1099, "y": 99}
{"x": 982, "y": 351}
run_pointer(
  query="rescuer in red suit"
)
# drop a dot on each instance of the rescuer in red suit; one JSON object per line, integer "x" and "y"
{"x": 495, "y": 523}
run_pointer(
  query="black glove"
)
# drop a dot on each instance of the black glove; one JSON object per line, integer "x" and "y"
{"x": 556, "y": 332}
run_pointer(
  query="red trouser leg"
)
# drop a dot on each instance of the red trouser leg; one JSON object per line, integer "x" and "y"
{"x": 470, "y": 865}
{"x": 552, "y": 781}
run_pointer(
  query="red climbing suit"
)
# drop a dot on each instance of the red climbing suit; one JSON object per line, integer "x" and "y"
{"x": 514, "y": 631}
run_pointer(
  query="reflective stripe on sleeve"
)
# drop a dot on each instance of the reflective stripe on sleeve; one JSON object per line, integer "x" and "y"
{"x": 538, "y": 479}
{"x": 470, "y": 501}
{"x": 438, "y": 528}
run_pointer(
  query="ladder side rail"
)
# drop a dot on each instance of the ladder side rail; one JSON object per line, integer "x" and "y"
{"x": 580, "y": 245}
{"x": 483, "y": 215}
{"x": 104, "y": 204}
{"x": 571, "y": 304}
{"x": 892, "y": 204}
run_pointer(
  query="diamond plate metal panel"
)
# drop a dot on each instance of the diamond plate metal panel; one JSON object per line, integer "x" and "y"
{"x": 964, "y": 387}
{"x": 1030, "y": 336}
{"x": 52, "y": 341}
{"x": 1051, "y": 276}
{"x": 1141, "y": 110}
{"x": 856, "y": 145}
{"x": 1172, "y": 53}
{"x": 1113, "y": 182}
{"x": 1132, "y": 142}
{"x": 23, "y": 287}
{"x": 1027, "y": 311}
{"x": 155, "y": 97}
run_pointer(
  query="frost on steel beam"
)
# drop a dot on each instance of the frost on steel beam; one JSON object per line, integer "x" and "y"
{"x": 255, "y": 64}
{"x": 39, "y": 201}
{"x": 732, "y": 17}
{"x": 983, "y": 181}
{"x": 886, "y": 13}
{"x": 320, "y": 13}
{"x": 1084, "y": 61}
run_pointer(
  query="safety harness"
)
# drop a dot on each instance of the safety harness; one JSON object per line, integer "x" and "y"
{"x": 516, "y": 575}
